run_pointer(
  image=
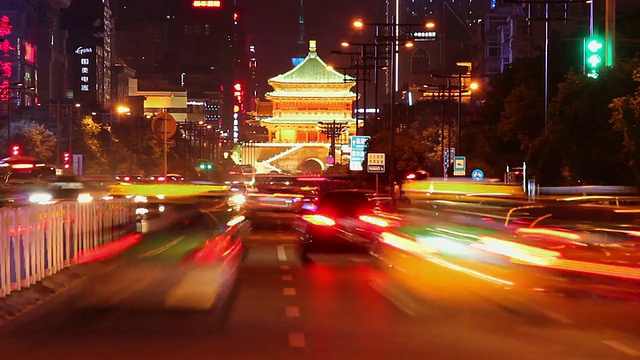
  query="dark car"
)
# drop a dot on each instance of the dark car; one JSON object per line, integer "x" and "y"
{"x": 344, "y": 219}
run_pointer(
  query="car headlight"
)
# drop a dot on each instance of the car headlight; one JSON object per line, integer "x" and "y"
{"x": 140, "y": 199}
{"x": 40, "y": 198}
{"x": 237, "y": 199}
{"x": 85, "y": 198}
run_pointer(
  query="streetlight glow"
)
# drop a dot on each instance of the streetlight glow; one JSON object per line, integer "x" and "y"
{"x": 473, "y": 86}
{"x": 329, "y": 67}
{"x": 408, "y": 44}
{"x": 345, "y": 44}
{"x": 430, "y": 25}
{"x": 358, "y": 23}
{"x": 77, "y": 105}
{"x": 123, "y": 109}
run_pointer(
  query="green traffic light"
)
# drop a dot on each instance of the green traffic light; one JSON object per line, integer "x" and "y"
{"x": 594, "y": 60}
{"x": 202, "y": 166}
{"x": 209, "y": 166}
{"x": 594, "y": 45}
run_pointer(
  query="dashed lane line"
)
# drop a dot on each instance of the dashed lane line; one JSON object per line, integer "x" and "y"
{"x": 622, "y": 347}
{"x": 282, "y": 255}
{"x": 297, "y": 340}
{"x": 163, "y": 247}
{"x": 292, "y": 311}
{"x": 290, "y": 291}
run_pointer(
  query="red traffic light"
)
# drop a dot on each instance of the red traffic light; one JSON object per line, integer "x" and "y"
{"x": 15, "y": 150}
{"x": 66, "y": 158}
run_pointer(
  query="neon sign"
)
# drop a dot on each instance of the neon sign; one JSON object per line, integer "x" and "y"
{"x": 6, "y": 67}
{"x": 207, "y": 3}
{"x": 84, "y": 67}
{"x": 29, "y": 53}
{"x": 237, "y": 108}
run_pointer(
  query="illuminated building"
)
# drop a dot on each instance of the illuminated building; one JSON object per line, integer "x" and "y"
{"x": 307, "y": 95}
{"x": 89, "y": 45}
{"x": 32, "y": 50}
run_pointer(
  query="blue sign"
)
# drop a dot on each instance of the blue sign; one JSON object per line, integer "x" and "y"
{"x": 459, "y": 163}
{"x": 477, "y": 175}
{"x": 358, "y": 145}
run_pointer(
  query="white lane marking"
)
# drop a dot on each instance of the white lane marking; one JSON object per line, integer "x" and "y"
{"x": 287, "y": 278}
{"x": 296, "y": 340}
{"x": 557, "y": 317}
{"x": 290, "y": 291}
{"x": 292, "y": 311}
{"x": 394, "y": 298}
{"x": 163, "y": 247}
{"x": 285, "y": 267}
{"x": 622, "y": 347}
{"x": 282, "y": 255}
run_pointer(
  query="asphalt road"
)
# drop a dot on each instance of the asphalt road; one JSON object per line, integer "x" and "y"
{"x": 151, "y": 303}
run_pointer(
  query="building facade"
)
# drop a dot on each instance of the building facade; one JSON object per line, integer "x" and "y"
{"x": 91, "y": 62}
{"x": 305, "y": 103}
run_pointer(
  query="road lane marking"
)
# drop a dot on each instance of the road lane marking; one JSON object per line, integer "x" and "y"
{"x": 622, "y": 347}
{"x": 292, "y": 311}
{"x": 297, "y": 340}
{"x": 290, "y": 291}
{"x": 285, "y": 267}
{"x": 282, "y": 255}
{"x": 163, "y": 247}
{"x": 287, "y": 278}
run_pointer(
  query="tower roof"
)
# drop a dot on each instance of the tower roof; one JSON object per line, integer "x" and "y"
{"x": 312, "y": 70}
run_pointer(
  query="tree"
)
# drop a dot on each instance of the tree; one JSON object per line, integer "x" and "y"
{"x": 626, "y": 121}
{"x": 581, "y": 146}
{"x": 35, "y": 139}
{"x": 410, "y": 150}
{"x": 90, "y": 142}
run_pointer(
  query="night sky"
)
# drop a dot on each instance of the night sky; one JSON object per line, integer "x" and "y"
{"x": 273, "y": 28}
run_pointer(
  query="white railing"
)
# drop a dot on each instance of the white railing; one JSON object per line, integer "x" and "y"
{"x": 39, "y": 241}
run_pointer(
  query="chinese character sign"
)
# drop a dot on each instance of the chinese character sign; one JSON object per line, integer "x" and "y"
{"x": 7, "y": 49}
{"x": 358, "y": 146}
{"x": 84, "y": 67}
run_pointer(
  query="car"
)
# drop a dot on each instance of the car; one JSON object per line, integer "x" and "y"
{"x": 344, "y": 219}
{"x": 129, "y": 178}
{"x": 169, "y": 178}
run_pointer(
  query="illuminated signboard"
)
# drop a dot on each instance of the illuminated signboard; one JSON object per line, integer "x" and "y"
{"x": 85, "y": 61}
{"x": 207, "y": 3}
{"x": 6, "y": 51}
{"x": 29, "y": 53}
{"x": 424, "y": 35}
{"x": 237, "y": 108}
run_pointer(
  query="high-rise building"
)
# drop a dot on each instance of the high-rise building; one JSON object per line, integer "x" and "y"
{"x": 198, "y": 45}
{"x": 32, "y": 51}
{"x": 90, "y": 27}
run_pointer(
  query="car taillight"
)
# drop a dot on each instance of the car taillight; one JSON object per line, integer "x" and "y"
{"x": 319, "y": 220}
{"x": 161, "y": 178}
{"x": 373, "y": 220}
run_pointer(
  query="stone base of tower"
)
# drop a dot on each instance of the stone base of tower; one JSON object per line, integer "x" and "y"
{"x": 289, "y": 158}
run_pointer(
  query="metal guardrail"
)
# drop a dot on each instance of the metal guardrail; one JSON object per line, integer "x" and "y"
{"x": 39, "y": 241}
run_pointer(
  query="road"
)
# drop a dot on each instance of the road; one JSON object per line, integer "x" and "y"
{"x": 153, "y": 303}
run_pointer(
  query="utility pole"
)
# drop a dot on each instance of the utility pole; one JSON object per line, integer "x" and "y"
{"x": 610, "y": 32}
{"x": 333, "y": 130}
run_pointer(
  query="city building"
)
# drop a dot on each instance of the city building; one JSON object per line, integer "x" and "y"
{"x": 32, "y": 51}
{"x": 91, "y": 63}
{"x": 304, "y": 101}
{"x": 199, "y": 46}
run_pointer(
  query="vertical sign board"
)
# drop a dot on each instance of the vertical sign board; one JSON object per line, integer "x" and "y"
{"x": 459, "y": 166}
{"x": 375, "y": 163}
{"x": 77, "y": 164}
{"x": 358, "y": 146}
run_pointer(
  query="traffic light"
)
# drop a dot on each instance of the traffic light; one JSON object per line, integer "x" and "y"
{"x": 66, "y": 160}
{"x": 15, "y": 150}
{"x": 206, "y": 166}
{"x": 593, "y": 57}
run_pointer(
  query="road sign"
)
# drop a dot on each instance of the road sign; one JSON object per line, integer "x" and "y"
{"x": 448, "y": 154}
{"x": 376, "y": 163}
{"x": 163, "y": 125}
{"x": 477, "y": 175}
{"x": 459, "y": 166}
{"x": 358, "y": 146}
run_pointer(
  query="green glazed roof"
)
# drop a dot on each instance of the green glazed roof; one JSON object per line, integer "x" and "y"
{"x": 312, "y": 70}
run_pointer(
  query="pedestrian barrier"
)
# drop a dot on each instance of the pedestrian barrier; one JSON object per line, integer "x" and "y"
{"x": 40, "y": 240}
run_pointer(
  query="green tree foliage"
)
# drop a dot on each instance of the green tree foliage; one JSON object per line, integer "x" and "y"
{"x": 626, "y": 121}
{"x": 34, "y": 139}
{"x": 90, "y": 143}
{"x": 581, "y": 146}
{"x": 410, "y": 150}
